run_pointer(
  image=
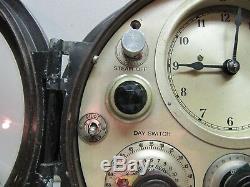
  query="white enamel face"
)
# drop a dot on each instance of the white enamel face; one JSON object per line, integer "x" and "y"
{"x": 210, "y": 102}
{"x": 11, "y": 110}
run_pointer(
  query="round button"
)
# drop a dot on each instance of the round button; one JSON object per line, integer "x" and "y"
{"x": 130, "y": 97}
{"x": 133, "y": 43}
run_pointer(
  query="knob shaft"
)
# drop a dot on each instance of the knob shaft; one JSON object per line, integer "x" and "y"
{"x": 133, "y": 42}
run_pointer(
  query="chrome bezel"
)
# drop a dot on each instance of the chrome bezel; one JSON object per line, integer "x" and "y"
{"x": 182, "y": 13}
{"x": 110, "y": 103}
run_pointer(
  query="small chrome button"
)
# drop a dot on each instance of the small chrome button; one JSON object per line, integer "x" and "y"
{"x": 132, "y": 50}
{"x": 133, "y": 42}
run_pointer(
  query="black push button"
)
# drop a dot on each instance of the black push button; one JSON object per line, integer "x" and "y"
{"x": 130, "y": 97}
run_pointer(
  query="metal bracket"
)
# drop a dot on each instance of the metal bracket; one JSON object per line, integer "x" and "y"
{"x": 56, "y": 78}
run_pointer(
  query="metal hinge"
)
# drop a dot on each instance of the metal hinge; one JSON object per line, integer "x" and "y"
{"x": 57, "y": 76}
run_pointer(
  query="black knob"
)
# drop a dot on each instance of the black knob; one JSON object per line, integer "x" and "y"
{"x": 155, "y": 180}
{"x": 241, "y": 178}
{"x": 130, "y": 97}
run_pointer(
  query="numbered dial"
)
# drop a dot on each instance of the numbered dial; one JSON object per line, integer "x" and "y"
{"x": 166, "y": 167}
{"x": 229, "y": 171}
{"x": 208, "y": 71}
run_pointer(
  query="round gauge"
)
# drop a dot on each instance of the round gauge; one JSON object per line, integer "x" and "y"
{"x": 158, "y": 164}
{"x": 204, "y": 58}
{"x": 229, "y": 170}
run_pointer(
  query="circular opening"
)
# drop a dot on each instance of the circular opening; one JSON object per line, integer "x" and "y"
{"x": 93, "y": 125}
{"x": 93, "y": 129}
{"x": 11, "y": 102}
{"x": 135, "y": 24}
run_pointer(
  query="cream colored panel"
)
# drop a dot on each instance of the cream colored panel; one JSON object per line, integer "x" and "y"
{"x": 159, "y": 125}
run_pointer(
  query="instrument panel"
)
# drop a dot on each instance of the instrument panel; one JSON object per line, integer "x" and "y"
{"x": 167, "y": 98}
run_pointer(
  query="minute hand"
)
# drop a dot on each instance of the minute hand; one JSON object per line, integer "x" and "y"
{"x": 238, "y": 21}
{"x": 200, "y": 66}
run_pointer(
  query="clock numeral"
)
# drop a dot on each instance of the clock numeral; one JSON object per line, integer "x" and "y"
{"x": 175, "y": 65}
{"x": 203, "y": 112}
{"x": 201, "y": 23}
{"x": 184, "y": 92}
{"x": 230, "y": 121}
{"x": 225, "y": 17}
{"x": 184, "y": 40}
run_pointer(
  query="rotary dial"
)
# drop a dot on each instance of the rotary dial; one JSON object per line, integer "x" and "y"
{"x": 207, "y": 74}
{"x": 229, "y": 171}
{"x": 167, "y": 167}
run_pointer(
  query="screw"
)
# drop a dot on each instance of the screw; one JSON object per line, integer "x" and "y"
{"x": 95, "y": 59}
{"x": 200, "y": 58}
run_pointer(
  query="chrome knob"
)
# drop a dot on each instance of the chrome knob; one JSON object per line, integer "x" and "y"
{"x": 133, "y": 42}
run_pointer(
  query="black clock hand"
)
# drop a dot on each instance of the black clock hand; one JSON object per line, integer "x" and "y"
{"x": 227, "y": 67}
{"x": 238, "y": 21}
{"x": 232, "y": 66}
{"x": 200, "y": 66}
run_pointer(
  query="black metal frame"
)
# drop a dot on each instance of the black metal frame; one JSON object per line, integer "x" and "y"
{"x": 25, "y": 37}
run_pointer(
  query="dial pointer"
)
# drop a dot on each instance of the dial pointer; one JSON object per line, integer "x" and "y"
{"x": 200, "y": 66}
{"x": 232, "y": 66}
{"x": 238, "y": 21}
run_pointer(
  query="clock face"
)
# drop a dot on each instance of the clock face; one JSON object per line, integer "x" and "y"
{"x": 208, "y": 74}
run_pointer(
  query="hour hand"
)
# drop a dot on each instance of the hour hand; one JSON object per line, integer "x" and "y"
{"x": 200, "y": 66}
